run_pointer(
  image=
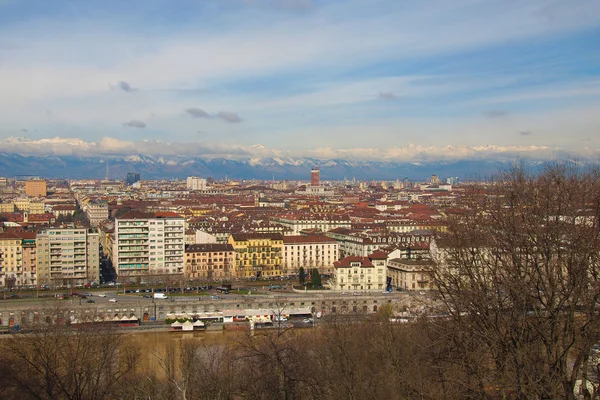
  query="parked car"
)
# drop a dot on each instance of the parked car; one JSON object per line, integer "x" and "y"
{"x": 113, "y": 300}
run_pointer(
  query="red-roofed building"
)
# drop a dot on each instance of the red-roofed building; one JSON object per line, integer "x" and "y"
{"x": 361, "y": 274}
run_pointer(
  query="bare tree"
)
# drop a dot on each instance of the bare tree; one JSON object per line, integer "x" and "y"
{"x": 56, "y": 362}
{"x": 518, "y": 273}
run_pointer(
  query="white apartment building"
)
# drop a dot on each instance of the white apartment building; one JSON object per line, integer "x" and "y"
{"x": 149, "y": 244}
{"x": 68, "y": 256}
{"x": 196, "y": 183}
{"x": 359, "y": 274}
{"x": 309, "y": 252}
{"x": 96, "y": 211}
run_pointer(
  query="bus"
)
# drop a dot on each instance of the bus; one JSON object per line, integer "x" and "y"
{"x": 223, "y": 290}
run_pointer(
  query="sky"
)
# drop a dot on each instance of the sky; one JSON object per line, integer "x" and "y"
{"x": 371, "y": 79}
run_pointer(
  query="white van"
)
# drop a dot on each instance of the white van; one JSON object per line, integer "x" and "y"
{"x": 160, "y": 296}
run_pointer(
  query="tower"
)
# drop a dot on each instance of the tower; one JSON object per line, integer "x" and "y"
{"x": 106, "y": 178}
{"x": 315, "y": 176}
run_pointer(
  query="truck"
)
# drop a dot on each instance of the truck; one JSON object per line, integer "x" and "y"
{"x": 160, "y": 296}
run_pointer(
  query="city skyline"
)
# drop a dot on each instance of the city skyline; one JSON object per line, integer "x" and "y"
{"x": 358, "y": 80}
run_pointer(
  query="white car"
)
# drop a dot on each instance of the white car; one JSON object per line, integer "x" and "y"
{"x": 102, "y": 295}
{"x": 113, "y": 300}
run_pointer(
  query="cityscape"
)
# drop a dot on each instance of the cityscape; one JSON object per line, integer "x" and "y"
{"x": 299, "y": 199}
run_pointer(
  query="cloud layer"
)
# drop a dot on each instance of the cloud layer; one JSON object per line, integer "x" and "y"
{"x": 306, "y": 75}
{"x": 408, "y": 153}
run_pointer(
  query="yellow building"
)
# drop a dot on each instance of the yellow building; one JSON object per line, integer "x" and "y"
{"x": 35, "y": 188}
{"x": 11, "y": 264}
{"x": 258, "y": 255}
{"x": 29, "y": 206}
{"x": 7, "y": 208}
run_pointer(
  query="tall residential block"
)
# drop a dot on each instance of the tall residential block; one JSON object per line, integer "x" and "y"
{"x": 35, "y": 188}
{"x": 149, "y": 244}
{"x": 68, "y": 256}
{"x": 195, "y": 183}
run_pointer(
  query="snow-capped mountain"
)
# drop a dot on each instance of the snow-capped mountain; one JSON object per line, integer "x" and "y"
{"x": 154, "y": 167}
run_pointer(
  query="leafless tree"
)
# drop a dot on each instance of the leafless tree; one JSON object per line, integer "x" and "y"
{"x": 518, "y": 274}
{"x": 56, "y": 362}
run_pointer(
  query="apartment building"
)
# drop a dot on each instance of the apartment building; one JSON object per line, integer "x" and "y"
{"x": 411, "y": 274}
{"x": 68, "y": 256}
{"x": 96, "y": 212}
{"x": 309, "y": 252}
{"x": 209, "y": 261}
{"x": 196, "y": 183}
{"x": 147, "y": 244}
{"x": 35, "y": 188}
{"x": 11, "y": 259}
{"x": 360, "y": 274}
{"x": 257, "y": 254}
{"x": 30, "y": 206}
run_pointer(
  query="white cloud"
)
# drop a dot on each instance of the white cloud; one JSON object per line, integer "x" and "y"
{"x": 410, "y": 152}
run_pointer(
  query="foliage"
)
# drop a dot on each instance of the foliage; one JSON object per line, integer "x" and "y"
{"x": 301, "y": 276}
{"x": 315, "y": 278}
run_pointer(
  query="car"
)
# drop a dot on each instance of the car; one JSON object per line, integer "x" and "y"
{"x": 113, "y": 300}
{"x": 308, "y": 320}
{"x": 102, "y": 295}
{"x": 356, "y": 294}
{"x": 147, "y": 296}
{"x": 386, "y": 292}
{"x": 422, "y": 293}
{"x": 90, "y": 301}
{"x": 88, "y": 294}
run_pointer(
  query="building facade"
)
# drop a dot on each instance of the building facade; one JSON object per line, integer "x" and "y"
{"x": 196, "y": 183}
{"x": 36, "y": 188}
{"x": 209, "y": 261}
{"x": 96, "y": 212}
{"x": 309, "y": 252}
{"x": 68, "y": 256}
{"x": 358, "y": 274}
{"x": 11, "y": 259}
{"x": 149, "y": 244}
{"x": 411, "y": 274}
{"x": 258, "y": 255}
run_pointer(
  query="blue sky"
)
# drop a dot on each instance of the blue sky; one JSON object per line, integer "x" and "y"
{"x": 381, "y": 79}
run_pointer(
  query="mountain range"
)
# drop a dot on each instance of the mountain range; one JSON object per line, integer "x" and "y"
{"x": 169, "y": 167}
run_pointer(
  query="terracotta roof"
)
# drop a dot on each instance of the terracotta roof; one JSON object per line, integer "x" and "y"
{"x": 345, "y": 262}
{"x": 378, "y": 255}
{"x": 240, "y": 237}
{"x": 307, "y": 239}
